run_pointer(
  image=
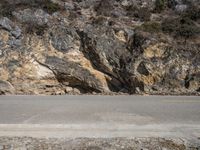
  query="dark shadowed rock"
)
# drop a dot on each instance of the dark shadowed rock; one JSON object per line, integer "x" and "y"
{"x": 142, "y": 69}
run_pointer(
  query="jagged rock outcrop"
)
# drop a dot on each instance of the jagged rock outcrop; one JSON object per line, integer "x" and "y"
{"x": 96, "y": 46}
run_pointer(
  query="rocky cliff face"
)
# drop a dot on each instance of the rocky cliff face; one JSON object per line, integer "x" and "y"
{"x": 99, "y": 46}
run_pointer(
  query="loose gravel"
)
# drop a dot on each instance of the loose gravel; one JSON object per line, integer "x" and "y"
{"x": 28, "y": 143}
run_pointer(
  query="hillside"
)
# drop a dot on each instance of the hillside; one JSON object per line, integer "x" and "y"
{"x": 58, "y": 47}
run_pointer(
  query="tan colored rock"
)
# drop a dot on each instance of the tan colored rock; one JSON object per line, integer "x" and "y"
{"x": 4, "y": 35}
{"x": 148, "y": 80}
{"x": 194, "y": 84}
{"x": 4, "y": 74}
{"x": 156, "y": 50}
{"x": 121, "y": 36}
{"x": 78, "y": 57}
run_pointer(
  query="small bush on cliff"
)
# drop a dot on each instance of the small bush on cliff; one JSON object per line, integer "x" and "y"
{"x": 171, "y": 4}
{"x": 142, "y": 13}
{"x": 49, "y": 6}
{"x": 193, "y": 12}
{"x": 169, "y": 25}
{"x": 6, "y": 9}
{"x": 160, "y": 5}
{"x": 151, "y": 26}
{"x": 180, "y": 27}
{"x": 187, "y": 28}
{"x": 46, "y": 5}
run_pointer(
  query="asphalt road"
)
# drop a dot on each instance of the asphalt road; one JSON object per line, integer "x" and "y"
{"x": 100, "y": 116}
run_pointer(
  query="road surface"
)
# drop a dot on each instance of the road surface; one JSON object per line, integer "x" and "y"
{"x": 100, "y": 116}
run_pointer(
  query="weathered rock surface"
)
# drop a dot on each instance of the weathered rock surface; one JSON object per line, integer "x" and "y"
{"x": 8, "y": 25}
{"x": 95, "y": 46}
{"x": 6, "y": 87}
{"x": 38, "y": 17}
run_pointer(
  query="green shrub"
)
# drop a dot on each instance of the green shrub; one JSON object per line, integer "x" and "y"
{"x": 181, "y": 27}
{"x": 46, "y": 5}
{"x": 171, "y": 4}
{"x": 169, "y": 25}
{"x": 187, "y": 31}
{"x": 50, "y": 7}
{"x": 193, "y": 12}
{"x": 143, "y": 13}
{"x": 187, "y": 28}
{"x": 151, "y": 27}
{"x": 160, "y": 5}
{"x": 6, "y": 9}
